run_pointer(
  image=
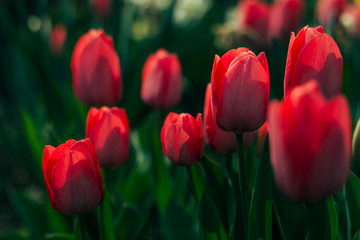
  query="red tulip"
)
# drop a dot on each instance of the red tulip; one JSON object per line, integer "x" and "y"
{"x": 216, "y": 138}
{"x": 253, "y": 17}
{"x": 285, "y": 17}
{"x": 350, "y": 19}
{"x": 310, "y": 141}
{"x": 182, "y": 138}
{"x": 313, "y": 54}
{"x": 72, "y": 177}
{"x": 240, "y": 90}
{"x": 101, "y": 8}
{"x": 327, "y": 10}
{"x": 161, "y": 80}
{"x": 57, "y": 39}
{"x": 96, "y": 69}
{"x": 108, "y": 130}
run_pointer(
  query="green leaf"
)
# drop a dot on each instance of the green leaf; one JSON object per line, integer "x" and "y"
{"x": 208, "y": 214}
{"x": 291, "y": 217}
{"x": 197, "y": 180}
{"x": 260, "y": 216}
{"x": 210, "y": 220}
{"x": 160, "y": 173}
{"x": 107, "y": 216}
{"x": 178, "y": 224}
{"x": 59, "y": 236}
{"x": 129, "y": 223}
{"x": 333, "y": 218}
{"x": 353, "y": 201}
{"x": 33, "y": 139}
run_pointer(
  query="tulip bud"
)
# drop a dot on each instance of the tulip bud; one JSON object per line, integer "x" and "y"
{"x": 96, "y": 69}
{"x": 161, "y": 80}
{"x": 327, "y": 10}
{"x": 182, "y": 138}
{"x": 240, "y": 90}
{"x": 285, "y": 17}
{"x": 253, "y": 17}
{"x": 350, "y": 19}
{"x": 310, "y": 142}
{"x": 57, "y": 39}
{"x": 313, "y": 54}
{"x": 108, "y": 130}
{"x": 217, "y": 139}
{"x": 72, "y": 177}
{"x": 101, "y": 8}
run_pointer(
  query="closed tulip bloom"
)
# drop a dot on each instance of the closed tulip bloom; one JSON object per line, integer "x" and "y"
{"x": 253, "y": 16}
{"x": 285, "y": 17}
{"x": 101, "y": 8}
{"x": 108, "y": 130}
{"x": 161, "y": 80}
{"x": 240, "y": 90}
{"x": 310, "y": 140}
{"x": 328, "y": 10}
{"x": 57, "y": 39}
{"x": 182, "y": 138}
{"x": 313, "y": 54}
{"x": 96, "y": 70}
{"x": 217, "y": 139}
{"x": 72, "y": 177}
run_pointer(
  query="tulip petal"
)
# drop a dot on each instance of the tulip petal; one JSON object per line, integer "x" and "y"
{"x": 91, "y": 121}
{"x": 246, "y": 87}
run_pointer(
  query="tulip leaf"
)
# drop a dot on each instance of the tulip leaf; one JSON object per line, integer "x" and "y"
{"x": 209, "y": 218}
{"x": 32, "y": 137}
{"x": 178, "y": 223}
{"x": 353, "y": 201}
{"x": 107, "y": 216}
{"x": 197, "y": 180}
{"x": 344, "y": 222}
{"x": 128, "y": 224}
{"x": 217, "y": 187}
{"x": 59, "y": 236}
{"x": 291, "y": 216}
{"x": 260, "y": 216}
{"x": 160, "y": 173}
{"x": 333, "y": 218}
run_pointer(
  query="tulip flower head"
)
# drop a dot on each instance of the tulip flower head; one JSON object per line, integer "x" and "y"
{"x": 101, "y": 8}
{"x": 240, "y": 90}
{"x": 285, "y": 17}
{"x": 161, "y": 80}
{"x": 310, "y": 142}
{"x": 57, "y": 39}
{"x": 217, "y": 139}
{"x": 313, "y": 54}
{"x": 96, "y": 70}
{"x": 329, "y": 10}
{"x": 182, "y": 138}
{"x": 72, "y": 177}
{"x": 109, "y": 130}
{"x": 253, "y": 17}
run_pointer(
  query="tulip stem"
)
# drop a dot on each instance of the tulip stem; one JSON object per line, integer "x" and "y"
{"x": 244, "y": 203}
{"x": 82, "y": 224}
{"x": 191, "y": 179}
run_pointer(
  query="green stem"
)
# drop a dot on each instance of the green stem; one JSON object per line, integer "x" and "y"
{"x": 317, "y": 216}
{"x": 348, "y": 220}
{"x": 244, "y": 203}
{"x": 191, "y": 179}
{"x": 82, "y": 223}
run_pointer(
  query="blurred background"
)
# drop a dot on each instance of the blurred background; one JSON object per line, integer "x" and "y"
{"x": 38, "y": 106}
